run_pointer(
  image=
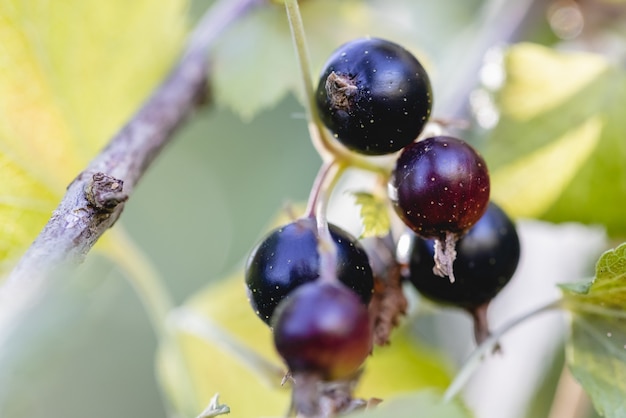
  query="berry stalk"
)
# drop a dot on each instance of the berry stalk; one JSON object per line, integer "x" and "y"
{"x": 317, "y": 208}
{"x": 325, "y": 145}
{"x": 488, "y": 345}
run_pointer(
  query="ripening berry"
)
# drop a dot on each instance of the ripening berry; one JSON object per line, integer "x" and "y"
{"x": 440, "y": 184}
{"x": 323, "y": 329}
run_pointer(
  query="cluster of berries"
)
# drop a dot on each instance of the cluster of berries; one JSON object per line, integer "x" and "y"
{"x": 375, "y": 98}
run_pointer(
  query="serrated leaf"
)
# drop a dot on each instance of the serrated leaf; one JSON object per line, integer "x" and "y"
{"x": 426, "y": 403}
{"x": 235, "y": 358}
{"x": 71, "y": 73}
{"x": 596, "y": 351}
{"x": 374, "y": 214}
{"x": 558, "y": 153}
{"x": 608, "y": 287}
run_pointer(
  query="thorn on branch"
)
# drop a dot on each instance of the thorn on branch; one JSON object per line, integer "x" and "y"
{"x": 104, "y": 193}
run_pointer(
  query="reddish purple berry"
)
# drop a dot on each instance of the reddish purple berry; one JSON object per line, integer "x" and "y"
{"x": 440, "y": 185}
{"x": 322, "y": 329}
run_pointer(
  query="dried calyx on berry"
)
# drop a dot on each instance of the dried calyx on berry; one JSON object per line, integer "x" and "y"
{"x": 487, "y": 257}
{"x": 374, "y": 96}
{"x": 323, "y": 333}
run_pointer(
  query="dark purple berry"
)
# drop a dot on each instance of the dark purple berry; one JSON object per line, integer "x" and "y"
{"x": 440, "y": 185}
{"x": 487, "y": 257}
{"x": 322, "y": 329}
{"x": 374, "y": 96}
{"x": 288, "y": 257}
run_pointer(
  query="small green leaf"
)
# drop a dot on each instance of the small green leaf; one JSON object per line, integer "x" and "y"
{"x": 374, "y": 214}
{"x": 425, "y": 403}
{"x": 557, "y": 152}
{"x": 596, "y": 352}
{"x": 608, "y": 288}
{"x": 578, "y": 287}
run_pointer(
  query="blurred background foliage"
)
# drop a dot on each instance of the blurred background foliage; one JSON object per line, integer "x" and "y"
{"x": 89, "y": 350}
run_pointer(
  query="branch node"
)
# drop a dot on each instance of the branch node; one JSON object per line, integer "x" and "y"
{"x": 105, "y": 193}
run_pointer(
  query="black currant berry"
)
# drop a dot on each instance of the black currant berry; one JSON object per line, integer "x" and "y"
{"x": 440, "y": 185}
{"x": 374, "y": 96}
{"x": 324, "y": 329}
{"x": 487, "y": 256}
{"x": 288, "y": 257}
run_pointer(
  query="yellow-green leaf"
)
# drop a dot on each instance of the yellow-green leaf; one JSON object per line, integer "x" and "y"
{"x": 517, "y": 182}
{"x": 229, "y": 351}
{"x": 216, "y": 364}
{"x": 561, "y": 77}
{"x": 374, "y": 214}
{"x": 71, "y": 73}
{"x": 557, "y": 152}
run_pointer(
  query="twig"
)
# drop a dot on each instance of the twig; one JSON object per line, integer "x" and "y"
{"x": 95, "y": 199}
{"x": 79, "y": 220}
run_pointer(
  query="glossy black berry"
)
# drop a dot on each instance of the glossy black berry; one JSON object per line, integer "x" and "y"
{"x": 324, "y": 329}
{"x": 288, "y": 257}
{"x": 374, "y": 96}
{"x": 487, "y": 257}
{"x": 440, "y": 185}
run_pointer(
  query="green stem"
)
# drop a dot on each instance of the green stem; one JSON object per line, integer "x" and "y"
{"x": 157, "y": 303}
{"x": 327, "y": 147}
{"x": 327, "y": 176}
{"x": 487, "y": 346}
{"x": 302, "y": 52}
{"x": 317, "y": 207}
{"x": 323, "y": 144}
